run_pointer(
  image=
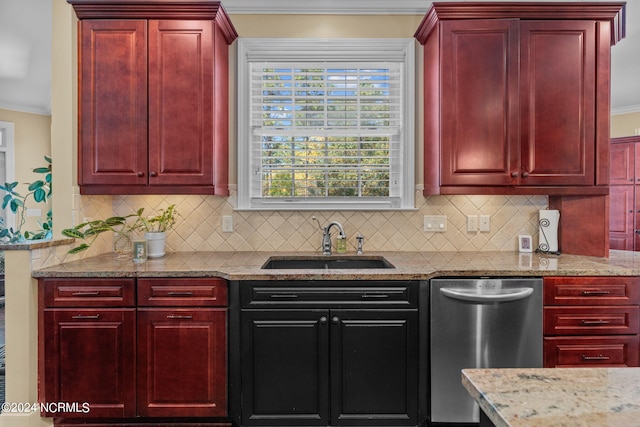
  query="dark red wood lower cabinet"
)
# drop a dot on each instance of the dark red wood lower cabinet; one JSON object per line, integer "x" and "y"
{"x": 182, "y": 362}
{"x": 90, "y": 367}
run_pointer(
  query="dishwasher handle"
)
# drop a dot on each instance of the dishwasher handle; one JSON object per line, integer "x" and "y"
{"x": 464, "y": 295}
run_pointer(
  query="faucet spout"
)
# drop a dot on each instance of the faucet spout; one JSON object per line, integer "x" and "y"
{"x": 326, "y": 237}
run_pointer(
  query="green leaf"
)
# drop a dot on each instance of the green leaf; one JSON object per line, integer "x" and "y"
{"x": 72, "y": 232}
{"x": 40, "y": 195}
{"x": 41, "y": 170}
{"x": 35, "y": 185}
{"x": 116, "y": 220}
{"x": 79, "y": 248}
{"x": 5, "y": 200}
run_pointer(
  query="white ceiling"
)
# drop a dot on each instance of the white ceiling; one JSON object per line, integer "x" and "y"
{"x": 25, "y": 45}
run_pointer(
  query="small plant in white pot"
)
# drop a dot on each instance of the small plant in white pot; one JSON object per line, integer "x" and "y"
{"x": 155, "y": 229}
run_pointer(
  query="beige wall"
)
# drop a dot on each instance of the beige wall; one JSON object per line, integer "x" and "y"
{"x": 32, "y": 143}
{"x": 625, "y": 124}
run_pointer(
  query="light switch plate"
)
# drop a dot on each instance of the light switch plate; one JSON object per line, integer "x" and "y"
{"x": 435, "y": 223}
{"x": 472, "y": 223}
{"x": 227, "y": 224}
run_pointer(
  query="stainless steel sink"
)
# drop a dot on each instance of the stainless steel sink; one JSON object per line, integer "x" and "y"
{"x": 326, "y": 262}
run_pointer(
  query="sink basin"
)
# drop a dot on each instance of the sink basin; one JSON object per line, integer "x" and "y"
{"x": 322, "y": 263}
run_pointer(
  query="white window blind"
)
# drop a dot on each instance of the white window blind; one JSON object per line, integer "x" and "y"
{"x": 325, "y": 134}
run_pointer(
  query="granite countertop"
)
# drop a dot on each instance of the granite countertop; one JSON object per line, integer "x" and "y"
{"x": 408, "y": 266}
{"x": 589, "y": 397}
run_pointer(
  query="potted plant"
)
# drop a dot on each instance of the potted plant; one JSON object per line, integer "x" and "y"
{"x": 154, "y": 227}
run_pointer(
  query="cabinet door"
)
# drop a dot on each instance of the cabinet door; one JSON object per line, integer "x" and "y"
{"x": 181, "y": 102}
{"x": 113, "y": 102}
{"x": 285, "y": 367}
{"x": 182, "y": 362}
{"x": 622, "y": 164}
{"x": 90, "y": 357}
{"x": 479, "y": 96}
{"x": 374, "y": 372}
{"x": 558, "y": 100}
{"x": 621, "y": 216}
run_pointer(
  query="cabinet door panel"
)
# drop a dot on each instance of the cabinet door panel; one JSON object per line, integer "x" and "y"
{"x": 181, "y": 102}
{"x": 622, "y": 164}
{"x": 113, "y": 102}
{"x": 621, "y": 216}
{"x": 285, "y": 368}
{"x": 373, "y": 366}
{"x": 182, "y": 362}
{"x": 90, "y": 357}
{"x": 557, "y": 101}
{"x": 479, "y": 98}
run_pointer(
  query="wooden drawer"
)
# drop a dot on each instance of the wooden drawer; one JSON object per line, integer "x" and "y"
{"x": 601, "y": 320}
{"x": 88, "y": 292}
{"x": 181, "y": 292}
{"x": 328, "y": 294}
{"x": 591, "y": 290}
{"x": 596, "y": 351}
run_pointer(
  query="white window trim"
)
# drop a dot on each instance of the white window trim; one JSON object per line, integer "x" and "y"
{"x": 7, "y": 128}
{"x": 280, "y": 49}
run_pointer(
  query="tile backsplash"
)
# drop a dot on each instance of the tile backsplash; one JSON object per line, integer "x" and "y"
{"x": 200, "y": 224}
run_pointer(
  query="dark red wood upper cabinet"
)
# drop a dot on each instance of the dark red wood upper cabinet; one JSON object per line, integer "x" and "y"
{"x": 479, "y": 102}
{"x": 557, "y": 102}
{"x": 153, "y": 82}
{"x": 516, "y": 97}
{"x": 113, "y": 102}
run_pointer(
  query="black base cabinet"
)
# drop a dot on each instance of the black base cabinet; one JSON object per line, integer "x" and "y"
{"x": 328, "y": 354}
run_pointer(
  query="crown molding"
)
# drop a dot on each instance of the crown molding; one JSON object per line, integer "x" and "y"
{"x": 626, "y": 110}
{"x": 328, "y": 7}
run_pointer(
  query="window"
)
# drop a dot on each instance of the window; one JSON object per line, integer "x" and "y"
{"x": 325, "y": 124}
{"x": 7, "y": 172}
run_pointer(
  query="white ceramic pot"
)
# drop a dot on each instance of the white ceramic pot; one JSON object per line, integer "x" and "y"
{"x": 155, "y": 243}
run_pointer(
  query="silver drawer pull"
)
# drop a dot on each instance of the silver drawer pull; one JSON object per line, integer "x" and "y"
{"x": 598, "y": 357}
{"x": 180, "y": 294}
{"x": 86, "y": 294}
{"x": 375, "y": 296}
{"x": 594, "y": 293}
{"x": 595, "y": 322}
{"x": 283, "y": 296}
{"x": 180, "y": 317}
{"x": 84, "y": 317}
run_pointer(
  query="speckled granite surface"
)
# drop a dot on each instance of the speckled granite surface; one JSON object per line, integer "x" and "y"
{"x": 576, "y": 397}
{"x": 408, "y": 266}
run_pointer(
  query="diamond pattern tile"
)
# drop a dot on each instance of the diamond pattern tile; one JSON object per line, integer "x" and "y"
{"x": 200, "y": 225}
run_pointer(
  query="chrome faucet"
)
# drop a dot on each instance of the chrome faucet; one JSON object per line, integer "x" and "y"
{"x": 326, "y": 237}
{"x": 360, "y": 239}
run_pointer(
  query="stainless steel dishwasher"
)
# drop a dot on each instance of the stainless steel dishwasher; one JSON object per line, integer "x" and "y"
{"x": 480, "y": 323}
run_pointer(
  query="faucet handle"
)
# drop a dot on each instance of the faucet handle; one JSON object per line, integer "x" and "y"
{"x": 360, "y": 239}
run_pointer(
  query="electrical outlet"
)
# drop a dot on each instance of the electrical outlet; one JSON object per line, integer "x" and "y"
{"x": 227, "y": 224}
{"x": 472, "y": 222}
{"x": 485, "y": 223}
{"x": 435, "y": 223}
